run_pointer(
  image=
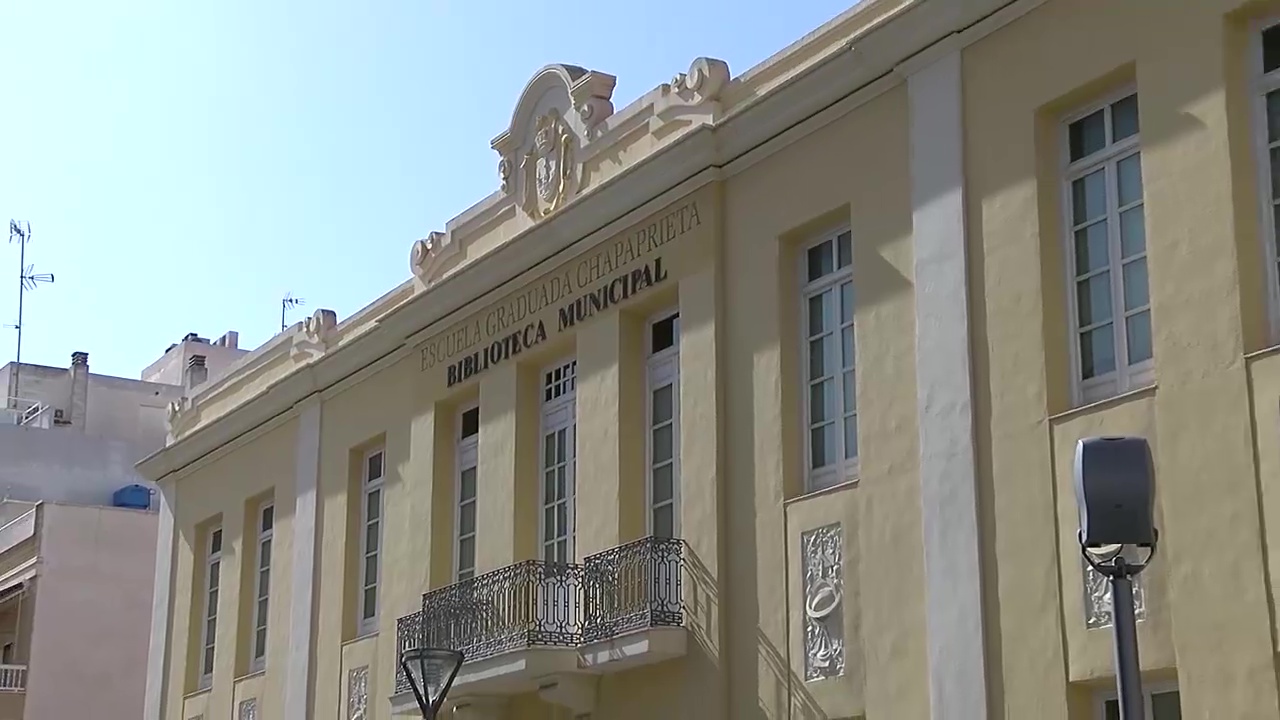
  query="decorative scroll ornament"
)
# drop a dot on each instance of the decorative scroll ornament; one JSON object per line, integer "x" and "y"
{"x": 549, "y": 170}
{"x": 1097, "y": 600}
{"x": 823, "y": 553}
{"x": 706, "y": 78}
{"x": 504, "y": 173}
{"x": 248, "y": 709}
{"x": 423, "y": 254}
{"x": 318, "y": 331}
{"x": 175, "y": 410}
{"x": 358, "y": 693}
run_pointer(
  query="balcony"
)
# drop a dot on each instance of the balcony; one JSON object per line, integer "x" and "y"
{"x": 13, "y": 678}
{"x": 539, "y": 626}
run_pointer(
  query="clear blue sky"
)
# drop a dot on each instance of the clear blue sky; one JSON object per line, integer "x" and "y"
{"x": 184, "y": 164}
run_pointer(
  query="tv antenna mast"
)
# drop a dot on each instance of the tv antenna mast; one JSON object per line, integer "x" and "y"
{"x": 28, "y": 280}
{"x": 287, "y": 303}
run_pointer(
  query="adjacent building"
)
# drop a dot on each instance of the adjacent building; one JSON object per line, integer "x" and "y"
{"x": 757, "y": 397}
{"x": 78, "y": 530}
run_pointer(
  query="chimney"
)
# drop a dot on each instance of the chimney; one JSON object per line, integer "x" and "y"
{"x": 231, "y": 340}
{"x": 196, "y": 373}
{"x": 78, "y": 405}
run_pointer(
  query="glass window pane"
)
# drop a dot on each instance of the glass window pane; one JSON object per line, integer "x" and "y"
{"x": 663, "y": 483}
{"x": 1129, "y": 179}
{"x": 817, "y": 358}
{"x": 662, "y": 405}
{"x": 1275, "y": 214}
{"x": 820, "y": 401}
{"x": 1124, "y": 118}
{"x": 1091, "y": 247}
{"x": 1133, "y": 232}
{"x": 1111, "y": 711}
{"x": 819, "y": 314}
{"x": 561, "y": 435}
{"x": 370, "y": 602}
{"x": 1166, "y": 706}
{"x": 844, "y": 249}
{"x": 466, "y": 553}
{"x": 820, "y": 260}
{"x": 846, "y": 303}
{"x": 549, "y": 450}
{"x": 851, "y": 437}
{"x": 264, "y": 583}
{"x": 1138, "y": 335}
{"x": 850, "y": 392}
{"x": 821, "y": 441}
{"x": 262, "y": 612}
{"x": 370, "y": 569}
{"x": 549, "y": 487}
{"x": 1273, "y": 116}
{"x": 215, "y": 571}
{"x": 1275, "y": 173}
{"x": 1135, "y": 284}
{"x": 260, "y": 643}
{"x": 1087, "y": 135}
{"x": 264, "y": 553}
{"x": 1089, "y": 197}
{"x": 208, "y": 660}
{"x": 562, "y": 520}
{"x": 1097, "y": 352}
{"x": 215, "y": 542}
{"x": 549, "y": 523}
{"x": 663, "y": 334}
{"x": 371, "y": 538}
{"x": 468, "y": 484}
{"x": 846, "y": 348}
{"x": 662, "y": 444}
{"x": 467, "y": 519}
{"x": 1271, "y": 48}
{"x": 210, "y": 630}
{"x": 1093, "y": 299}
{"x": 268, "y": 518}
{"x": 373, "y": 505}
{"x": 374, "y": 468}
{"x": 664, "y": 521}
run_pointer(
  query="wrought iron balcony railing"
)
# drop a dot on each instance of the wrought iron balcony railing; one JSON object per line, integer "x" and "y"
{"x": 545, "y": 604}
{"x": 531, "y": 603}
{"x": 634, "y": 586}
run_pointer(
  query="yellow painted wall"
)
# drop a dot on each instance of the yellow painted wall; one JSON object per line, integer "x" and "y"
{"x": 1212, "y": 416}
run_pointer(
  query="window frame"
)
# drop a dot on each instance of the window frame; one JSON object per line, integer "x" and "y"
{"x": 1260, "y": 84}
{"x": 556, "y": 414}
{"x": 662, "y": 365}
{"x": 1124, "y": 378}
{"x": 211, "y": 558}
{"x": 258, "y": 654}
{"x": 466, "y": 456}
{"x": 843, "y": 470}
{"x": 368, "y": 625}
{"x": 1102, "y": 697}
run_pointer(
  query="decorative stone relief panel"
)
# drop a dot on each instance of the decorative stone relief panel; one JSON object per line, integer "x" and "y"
{"x": 248, "y": 709}
{"x": 823, "y": 557}
{"x": 1097, "y": 598}
{"x": 358, "y": 693}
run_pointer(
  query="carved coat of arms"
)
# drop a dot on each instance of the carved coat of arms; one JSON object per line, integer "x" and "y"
{"x": 548, "y": 167}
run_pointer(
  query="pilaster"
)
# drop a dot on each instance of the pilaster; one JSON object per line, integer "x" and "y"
{"x": 297, "y": 674}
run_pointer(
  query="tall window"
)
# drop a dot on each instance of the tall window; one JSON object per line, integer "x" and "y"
{"x": 1110, "y": 303}
{"x": 663, "y": 372}
{"x": 559, "y": 438}
{"x": 371, "y": 507}
{"x": 465, "y": 548}
{"x": 209, "y": 627}
{"x": 266, "y": 523}
{"x": 1159, "y": 704}
{"x": 831, "y": 406}
{"x": 1267, "y": 131}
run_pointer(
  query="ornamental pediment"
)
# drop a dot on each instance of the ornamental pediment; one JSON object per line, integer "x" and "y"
{"x": 540, "y": 154}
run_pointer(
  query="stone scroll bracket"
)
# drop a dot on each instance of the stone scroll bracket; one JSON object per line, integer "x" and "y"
{"x": 318, "y": 332}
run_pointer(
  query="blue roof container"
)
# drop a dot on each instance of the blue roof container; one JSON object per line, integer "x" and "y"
{"x": 137, "y": 497}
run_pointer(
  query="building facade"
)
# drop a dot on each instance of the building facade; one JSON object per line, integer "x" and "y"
{"x": 757, "y": 397}
{"x": 75, "y": 598}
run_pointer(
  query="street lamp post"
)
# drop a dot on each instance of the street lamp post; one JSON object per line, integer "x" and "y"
{"x": 1115, "y": 495}
{"x": 430, "y": 672}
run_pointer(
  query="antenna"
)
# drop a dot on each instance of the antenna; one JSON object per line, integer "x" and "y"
{"x": 28, "y": 280}
{"x": 287, "y": 303}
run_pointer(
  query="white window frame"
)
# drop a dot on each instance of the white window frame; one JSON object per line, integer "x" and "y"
{"x": 1260, "y": 85}
{"x": 212, "y": 559}
{"x": 1101, "y": 699}
{"x": 367, "y": 622}
{"x": 844, "y": 469}
{"x": 662, "y": 368}
{"x": 467, "y": 458}
{"x": 559, "y": 413}
{"x": 265, "y": 541}
{"x": 1124, "y": 378}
